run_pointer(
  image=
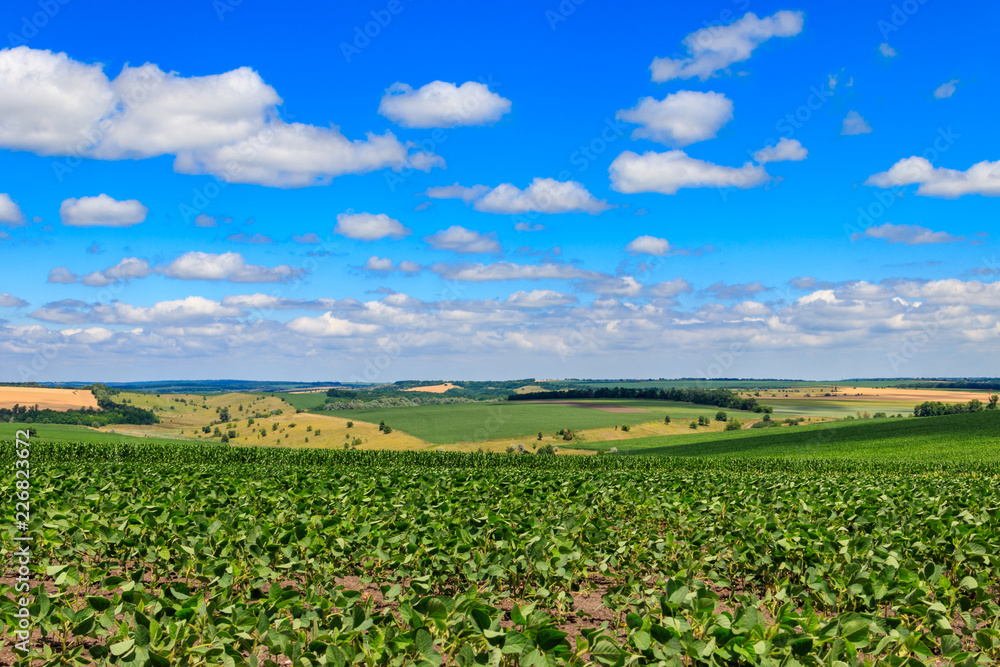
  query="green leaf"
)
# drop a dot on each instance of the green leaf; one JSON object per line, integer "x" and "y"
{"x": 123, "y": 647}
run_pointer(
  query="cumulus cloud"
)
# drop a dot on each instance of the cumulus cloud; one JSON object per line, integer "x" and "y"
{"x": 205, "y": 220}
{"x": 442, "y": 104}
{"x": 128, "y": 269}
{"x": 539, "y": 298}
{"x": 226, "y": 125}
{"x": 721, "y": 290}
{"x": 102, "y": 211}
{"x": 191, "y": 308}
{"x": 8, "y": 300}
{"x": 945, "y": 90}
{"x": 855, "y": 124}
{"x": 786, "y": 150}
{"x": 887, "y": 50}
{"x": 62, "y": 276}
{"x": 328, "y": 325}
{"x": 384, "y": 265}
{"x": 982, "y": 178}
{"x": 625, "y": 286}
{"x": 10, "y": 212}
{"x": 681, "y": 118}
{"x": 908, "y": 234}
{"x": 670, "y": 288}
{"x": 668, "y": 172}
{"x": 467, "y": 241}
{"x": 456, "y": 191}
{"x": 543, "y": 195}
{"x": 369, "y": 226}
{"x": 230, "y": 266}
{"x": 714, "y": 48}
{"x": 477, "y": 272}
{"x": 648, "y": 245}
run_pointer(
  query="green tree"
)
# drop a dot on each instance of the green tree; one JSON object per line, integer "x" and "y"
{"x": 720, "y": 416}
{"x": 666, "y": 419}
{"x": 992, "y": 405}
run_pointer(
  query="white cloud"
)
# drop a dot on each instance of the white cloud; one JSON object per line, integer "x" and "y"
{"x": 50, "y": 101}
{"x": 529, "y": 227}
{"x": 102, "y": 211}
{"x": 164, "y": 312}
{"x": 8, "y": 300}
{"x": 293, "y": 155}
{"x": 328, "y": 325}
{"x": 461, "y": 240}
{"x": 127, "y": 269}
{"x": 170, "y": 114}
{"x": 205, "y": 220}
{"x": 369, "y": 226}
{"x": 887, "y": 50}
{"x": 226, "y": 125}
{"x": 62, "y": 276}
{"x": 786, "y": 150}
{"x": 309, "y": 238}
{"x": 715, "y": 48}
{"x": 441, "y": 104}
{"x": 510, "y": 271}
{"x": 625, "y": 286}
{"x": 648, "y": 245}
{"x": 908, "y": 234}
{"x": 10, "y": 212}
{"x": 855, "y": 124}
{"x": 379, "y": 264}
{"x": 230, "y": 266}
{"x": 668, "y": 172}
{"x": 946, "y": 89}
{"x": 543, "y": 195}
{"x": 456, "y": 191}
{"x": 539, "y": 298}
{"x": 681, "y": 118}
{"x": 670, "y": 288}
{"x": 982, "y": 178}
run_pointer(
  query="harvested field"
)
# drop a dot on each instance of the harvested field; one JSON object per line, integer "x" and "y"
{"x": 435, "y": 388}
{"x": 47, "y": 397}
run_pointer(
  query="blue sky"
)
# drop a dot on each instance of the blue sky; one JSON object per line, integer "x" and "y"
{"x": 215, "y": 189}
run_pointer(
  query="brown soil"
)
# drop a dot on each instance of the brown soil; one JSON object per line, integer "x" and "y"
{"x": 47, "y": 397}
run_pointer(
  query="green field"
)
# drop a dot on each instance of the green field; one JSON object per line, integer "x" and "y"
{"x": 73, "y": 433}
{"x": 196, "y": 555}
{"x": 468, "y": 422}
{"x": 962, "y": 437}
{"x": 309, "y": 401}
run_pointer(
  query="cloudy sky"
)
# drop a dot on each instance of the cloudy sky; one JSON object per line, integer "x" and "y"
{"x": 394, "y": 189}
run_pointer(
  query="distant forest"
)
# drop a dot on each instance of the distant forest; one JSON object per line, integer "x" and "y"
{"x": 722, "y": 398}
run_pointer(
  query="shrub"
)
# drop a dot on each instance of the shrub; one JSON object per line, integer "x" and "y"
{"x": 547, "y": 450}
{"x": 733, "y": 425}
{"x": 225, "y": 438}
{"x": 318, "y": 431}
{"x": 232, "y": 433}
{"x": 350, "y": 424}
{"x": 539, "y": 435}
{"x": 568, "y": 435}
{"x": 387, "y": 430}
{"x": 613, "y": 450}
{"x": 720, "y": 416}
{"x": 666, "y": 419}
{"x": 693, "y": 424}
{"x": 626, "y": 428}
{"x": 767, "y": 416}
{"x": 217, "y": 432}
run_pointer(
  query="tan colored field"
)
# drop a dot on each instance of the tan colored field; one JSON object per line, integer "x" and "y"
{"x": 914, "y": 395}
{"x": 184, "y": 415}
{"x": 45, "y": 397}
{"x": 435, "y": 388}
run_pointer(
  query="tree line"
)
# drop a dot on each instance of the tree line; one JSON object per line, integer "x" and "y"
{"x": 937, "y": 408}
{"x": 722, "y": 398}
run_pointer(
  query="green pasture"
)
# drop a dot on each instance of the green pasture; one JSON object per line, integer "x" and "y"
{"x": 962, "y": 437}
{"x": 73, "y": 433}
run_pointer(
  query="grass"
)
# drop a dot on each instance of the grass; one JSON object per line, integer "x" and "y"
{"x": 475, "y": 422}
{"x": 309, "y": 401}
{"x": 73, "y": 433}
{"x": 962, "y": 437}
